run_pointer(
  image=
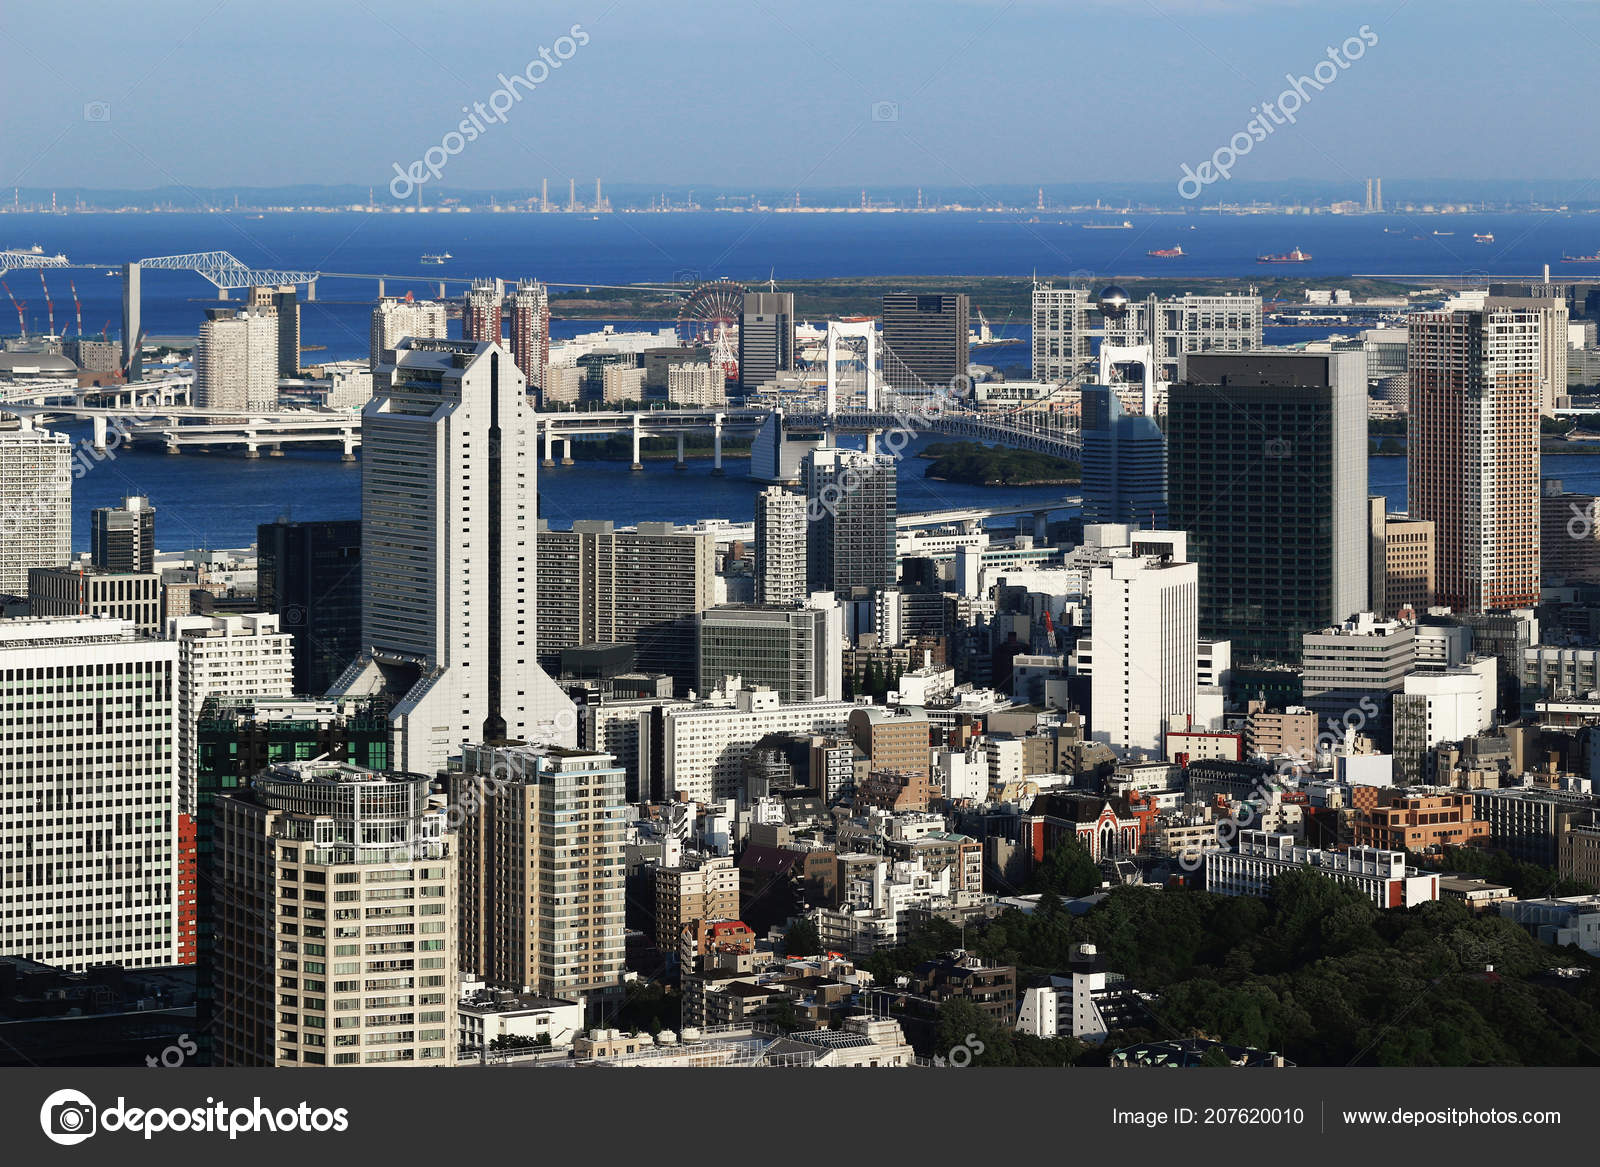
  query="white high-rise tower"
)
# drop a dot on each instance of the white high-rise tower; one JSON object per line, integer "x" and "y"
{"x": 447, "y": 556}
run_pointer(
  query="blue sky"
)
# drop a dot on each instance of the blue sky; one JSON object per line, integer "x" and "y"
{"x": 737, "y": 93}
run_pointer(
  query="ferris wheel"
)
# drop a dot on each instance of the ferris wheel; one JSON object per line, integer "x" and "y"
{"x": 709, "y": 309}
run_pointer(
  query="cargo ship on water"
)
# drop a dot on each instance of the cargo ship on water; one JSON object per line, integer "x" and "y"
{"x": 1125, "y": 225}
{"x": 1581, "y": 258}
{"x": 1166, "y": 253}
{"x": 1295, "y": 256}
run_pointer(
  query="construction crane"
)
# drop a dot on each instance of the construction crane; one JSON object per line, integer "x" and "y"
{"x": 49, "y": 304}
{"x": 77, "y": 308}
{"x": 22, "y": 322}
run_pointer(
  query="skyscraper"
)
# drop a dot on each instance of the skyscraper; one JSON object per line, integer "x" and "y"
{"x": 447, "y": 556}
{"x": 309, "y": 574}
{"x": 1060, "y": 332}
{"x": 1267, "y": 472}
{"x": 1144, "y": 632}
{"x": 766, "y": 337}
{"x": 601, "y": 585}
{"x": 236, "y": 360}
{"x": 542, "y": 867}
{"x": 393, "y": 320}
{"x": 1473, "y": 451}
{"x": 780, "y": 547}
{"x": 1171, "y": 327}
{"x": 35, "y": 503}
{"x": 1124, "y": 463}
{"x": 925, "y": 340}
{"x": 90, "y": 822}
{"x": 851, "y": 501}
{"x": 123, "y": 539}
{"x": 284, "y": 305}
{"x": 530, "y": 333}
{"x": 480, "y": 313}
{"x": 312, "y": 832}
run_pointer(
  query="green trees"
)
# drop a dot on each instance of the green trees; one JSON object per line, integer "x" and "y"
{"x": 802, "y": 939}
{"x": 1067, "y": 870}
{"x": 1315, "y": 971}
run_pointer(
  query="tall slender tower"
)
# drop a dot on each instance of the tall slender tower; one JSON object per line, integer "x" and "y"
{"x": 1474, "y": 451}
{"x": 530, "y": 332}
{"x": 447, "y": 556}
{"x": 780, "y": 547}
{"x": 480, "y": 314}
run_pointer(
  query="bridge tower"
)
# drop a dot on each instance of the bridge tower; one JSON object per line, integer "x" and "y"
{"x": 866, "y": 333}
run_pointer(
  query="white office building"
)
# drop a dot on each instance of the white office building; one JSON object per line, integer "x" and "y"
{"x": 224, "y": 656}
{"x": 1259, "y": 857}
{"x": 447, "y": 556}
{"x": 1144, "y": 633}
{"x": 89, "y": 821}
{"x": 236, "y": 360}
{"x": 35, "y": 504}
{"x": 704, "y": 746}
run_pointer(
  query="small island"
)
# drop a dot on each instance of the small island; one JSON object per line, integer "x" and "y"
{"x": 975, "y": 464}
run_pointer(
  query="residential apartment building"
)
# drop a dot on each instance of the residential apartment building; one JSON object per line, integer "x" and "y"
{"x": 708, "y": 891}
{"x": 35, "y": 504}
{"x": 852, "y": 499}
{"x": 542, "y": 867}
{"x": 1473, "y": 451}
{"x": 343, "y": 883}
{"x": 780, "y": 551}
{"x": 597, "y": 584}
{"x": 1420, "y": 822}
{"x": 1063, "y": 320}
{"x": 393, "y": 320}
{"x": 236, "y": 360}
{"x": 1144, "y": 631}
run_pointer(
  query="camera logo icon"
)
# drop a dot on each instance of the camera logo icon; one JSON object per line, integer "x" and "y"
{"x": 885, "y": 111}
{"x": 96, "y": 111}
{"x": 68, "y": 1117}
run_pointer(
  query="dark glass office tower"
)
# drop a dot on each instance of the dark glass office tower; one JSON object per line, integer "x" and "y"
{"x": 1124, "y": 463}
{"x": 1267, "y": 472}
{"x": 924, "y": 340}
{"x": 123, "y": 539}
{"x": 766, "y": 337}
{"x": 310, "y": 575}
